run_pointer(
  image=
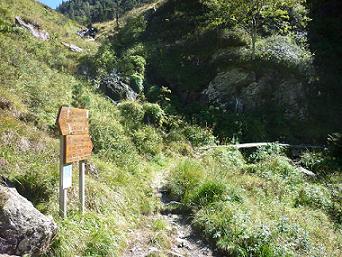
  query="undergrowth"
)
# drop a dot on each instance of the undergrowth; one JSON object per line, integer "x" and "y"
{"x": 260, "y": 207}
{"x": 130, "y": 140}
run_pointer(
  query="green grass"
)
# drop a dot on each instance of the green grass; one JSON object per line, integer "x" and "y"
{"x": 264, "y": 208}
{"x": 36, "y": 79}
{"x": 256, "y": 207}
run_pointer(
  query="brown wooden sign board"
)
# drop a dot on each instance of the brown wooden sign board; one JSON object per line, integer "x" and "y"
{"x": 73, "y": 121}
{"x": 77, "y": 148}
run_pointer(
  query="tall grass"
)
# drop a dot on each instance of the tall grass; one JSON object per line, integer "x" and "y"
{"x": 263, "y": 208}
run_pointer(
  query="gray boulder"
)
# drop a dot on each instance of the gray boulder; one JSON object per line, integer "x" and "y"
{"x": 72, "y": 47}
{"x": 23, "y": 229}
{"x": 114, "y": 86}
{"x": 35, "y": 30}
{"x": 241, "y": 90}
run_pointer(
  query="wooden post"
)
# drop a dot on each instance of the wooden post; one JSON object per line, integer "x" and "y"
{"x": 82, "y": 167}
{"x": 76, "y": 146}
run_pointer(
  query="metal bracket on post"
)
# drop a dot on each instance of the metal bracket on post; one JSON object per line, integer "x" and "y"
{"x": 82, "y": 168}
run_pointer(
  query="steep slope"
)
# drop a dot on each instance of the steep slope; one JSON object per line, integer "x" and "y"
{"x": 240, "y": 98}
{"x": 36, "y": 78}
{"x": 89, "y": 11}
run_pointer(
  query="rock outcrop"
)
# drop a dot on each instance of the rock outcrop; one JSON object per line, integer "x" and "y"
{"x": 72, "y": 47}
{"x": 35, "y": 30}
{"x": 241, "y": 90}
{"x": 23, "y": 229}
{"x": 116, "y": 88}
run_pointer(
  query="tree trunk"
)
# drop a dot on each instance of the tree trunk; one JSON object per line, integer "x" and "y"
{"x": 117, "y": 16}
{"x": 254, "y": 37}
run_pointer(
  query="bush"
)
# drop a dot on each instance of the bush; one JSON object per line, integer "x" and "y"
{"x": 234, "y": 37}
{"x": 79, "y": 99}
{"x": 136, "y": 82}
{"x": 105, "y": 59}
{"x": 225, "y": 157}
{"x": 154, "y": 114}
{"x": 110, "y": 141}
{"x": 132, "y": 64}
{"x": 132, "y": 111}
{"x": 265, "y": 152}
{"x": 335, "y": 145}
{"x": 148, "y": 141}
{"x": 206, "y": 193}
{"x": 314, "y": 196}
{"x": 199, "y": 136}
{"x": 184, "y": 177}
{"x": 283, "y": 50}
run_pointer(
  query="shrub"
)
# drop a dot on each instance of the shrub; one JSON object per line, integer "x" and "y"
{"x": 225, "y": 157}
{"x": 199, "y": 136}
{"x": 335, "y": 145}
{"x": 234, "y": 230}
{"x": 36, "y": 185}
{"x": 136, "y": 82}
{"x": 184, "y": 177}
{"x": 148, "y": 141}
{"x": 265, "y": 152}
{"x": 132, "y": 111}
{"x": 234, "y": 37}
{"x": 79, "y": 99}
{"x": 154, "y": 114}
{"x": 206, "y": 193}
{"x": 132, "y": 64}
{"x": 105, "y": 59}
{"x": 283, "y": 50}
{"x": 314, "y": 196}
{"x": 110, "y": 141}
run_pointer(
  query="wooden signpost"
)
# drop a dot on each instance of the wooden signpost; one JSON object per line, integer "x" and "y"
{"x": 76, "y": 146}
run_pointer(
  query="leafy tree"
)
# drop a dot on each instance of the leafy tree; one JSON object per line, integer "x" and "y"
{"x": 251, "y": 14}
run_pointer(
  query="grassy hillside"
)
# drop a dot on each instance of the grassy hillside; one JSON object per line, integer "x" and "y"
{"x": 36, "y": 79}
{"x": 259, "y": 204}
{"x": 255, "y": 205}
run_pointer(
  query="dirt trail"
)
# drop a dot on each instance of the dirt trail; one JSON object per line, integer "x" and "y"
{"x": 182, "y": 240}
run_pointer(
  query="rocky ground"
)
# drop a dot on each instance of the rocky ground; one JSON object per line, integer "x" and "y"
{"x": 178, "y": 238}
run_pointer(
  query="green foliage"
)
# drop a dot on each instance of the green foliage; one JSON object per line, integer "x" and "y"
{"x": 284, "y": 51}
{"x": 90, "y": 11}
{"x": 254, "y": 15}
{"x": 137, "y": 82}
{"x": 148, "y": 141}
{"x": 110, "y": 141}
{"x": 105, "y": 59}
{"x": 208, "y": 192}
{"x": 154, "y": 114}
{"x": 132, "y": 112}
{"x": 225, "y": 158}
{"x": 265, "y": 152}
{"x": 79, "y": 98}
{"x": 199, "y": 136}
{"x": 132, "y": 64}
{"x": 258, "y": 214}
{"x": 314, "y": 196}
{"x": 185, "y": 177}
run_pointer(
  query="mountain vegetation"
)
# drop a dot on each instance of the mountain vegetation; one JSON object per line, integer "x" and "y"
{"x": 90, "y": 11}
{"x": 170, "y": 90}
